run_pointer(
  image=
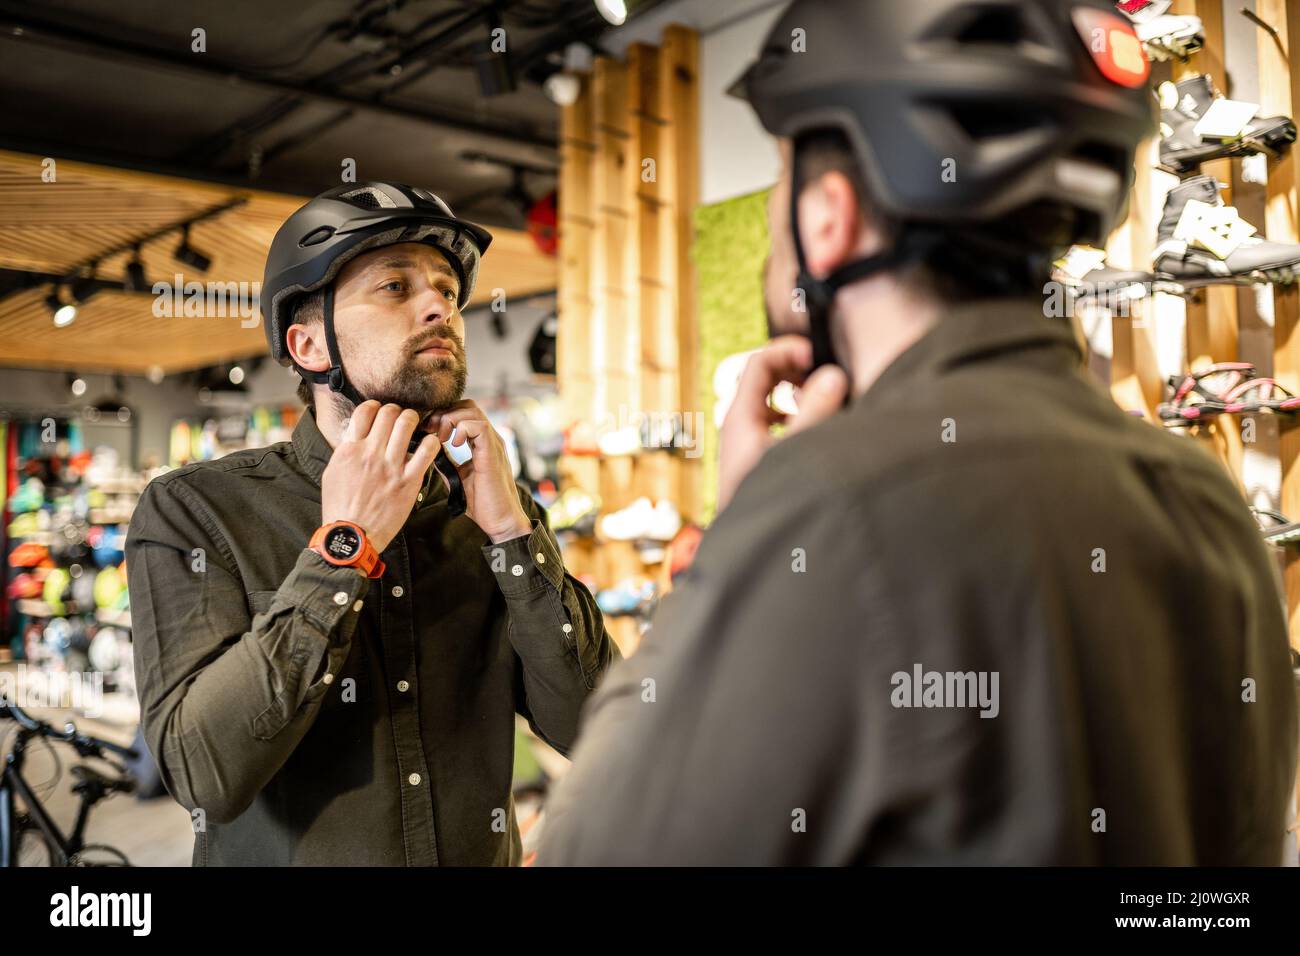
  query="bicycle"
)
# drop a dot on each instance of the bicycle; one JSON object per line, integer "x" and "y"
{"x": 31, "y": 837}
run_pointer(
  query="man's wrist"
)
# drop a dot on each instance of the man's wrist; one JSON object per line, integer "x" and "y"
{"x": 520, "y": 529}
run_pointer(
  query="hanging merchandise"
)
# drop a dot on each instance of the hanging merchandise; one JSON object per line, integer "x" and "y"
{"x": 57, "y": 590}
{"x": 1203, "y": 242}
{"x": 110, "y": 588}
{"x": 179, "y": 444}
{"x": 29, "y": 496}
{"x": 1184, "y": 142}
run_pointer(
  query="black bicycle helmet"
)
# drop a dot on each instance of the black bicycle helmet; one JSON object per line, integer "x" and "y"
{"x": 316, "y": 242}
{"x": 341, "y": 223}
{"x": 1016, "y": 118}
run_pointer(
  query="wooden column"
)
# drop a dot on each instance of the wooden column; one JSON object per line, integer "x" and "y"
{"x": 627, "y": 339}
{"x": 1279, "y": 94}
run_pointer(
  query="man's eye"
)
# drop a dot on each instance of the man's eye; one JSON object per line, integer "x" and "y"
{"x": 450, "y": 293}
{"x": 397, "y": 285}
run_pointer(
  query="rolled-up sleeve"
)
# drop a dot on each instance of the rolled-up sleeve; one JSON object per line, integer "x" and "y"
{"x": 226, "y": 695}
{"x": 556, "y": 630}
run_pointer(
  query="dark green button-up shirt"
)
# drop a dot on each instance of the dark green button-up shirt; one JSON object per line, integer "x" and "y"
{"x": 982, "y": 511}
{"x": 307, "y": 715}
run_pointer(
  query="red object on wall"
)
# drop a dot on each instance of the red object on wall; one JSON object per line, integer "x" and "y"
{"x": 542, "y": 221}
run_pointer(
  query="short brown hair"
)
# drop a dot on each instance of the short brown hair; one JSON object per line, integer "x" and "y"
{"x": 955, "y": 270}
{"x": 308, "y": 310}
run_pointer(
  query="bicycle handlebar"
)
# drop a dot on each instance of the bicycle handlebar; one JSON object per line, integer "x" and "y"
{"x": 84, "y": 744}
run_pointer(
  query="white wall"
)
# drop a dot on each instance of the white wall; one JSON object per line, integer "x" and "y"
{"x": 736, "y": 154}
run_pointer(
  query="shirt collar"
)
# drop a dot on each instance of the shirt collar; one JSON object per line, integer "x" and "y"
{"x": 981, "y": 331}
{"x": 314, "y": 452}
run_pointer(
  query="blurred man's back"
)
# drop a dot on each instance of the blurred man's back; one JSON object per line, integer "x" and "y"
{"x": 983, "y": 510}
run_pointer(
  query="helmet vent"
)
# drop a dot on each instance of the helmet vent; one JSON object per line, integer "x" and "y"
{"x": 369, "y": 198}
{"x": 988, "y": 121}
{"x": 1001, "y": 25}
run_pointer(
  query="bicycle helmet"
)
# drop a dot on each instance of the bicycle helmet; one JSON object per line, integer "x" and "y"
{"x": 1011, "y": 120}
{"x": 322, "y": 236}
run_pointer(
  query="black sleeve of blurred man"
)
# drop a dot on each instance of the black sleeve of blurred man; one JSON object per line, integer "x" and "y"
{"x": 1143, "y": 710}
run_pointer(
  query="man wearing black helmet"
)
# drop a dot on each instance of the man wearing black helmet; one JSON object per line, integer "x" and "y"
{"x": 979, "y": 615}
{"x": 332, "y": 635}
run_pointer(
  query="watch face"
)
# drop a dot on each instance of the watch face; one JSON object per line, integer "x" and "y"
{"x": 342, "y": 544}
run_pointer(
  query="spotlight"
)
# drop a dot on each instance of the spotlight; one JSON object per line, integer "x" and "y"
{"x": 615, "y": 11}
{"x": 236, "y": 375}
{"x": 189, "y": 255}
{"x": 78, "y": 387}
{"x": 562, "y": 88}
{"x": 134, "y": 281}
{"x": 64, "y": 313}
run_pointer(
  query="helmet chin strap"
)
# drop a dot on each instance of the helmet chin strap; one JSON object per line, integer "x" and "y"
{"x": 819, "y": 294}
{"x": 338, "y": 382}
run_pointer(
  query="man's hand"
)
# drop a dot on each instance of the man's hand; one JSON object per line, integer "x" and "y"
{"x": 747, "y": 430}
{"x": 369, "y": 480}
{"x": 491, "y": 496}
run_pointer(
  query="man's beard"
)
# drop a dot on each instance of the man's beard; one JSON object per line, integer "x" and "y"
{"x": 425, "y": 383}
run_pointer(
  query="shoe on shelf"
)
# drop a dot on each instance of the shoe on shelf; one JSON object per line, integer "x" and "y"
{"x": 1226, "y": 388}
{"x": 642, "y": 520}
{"x": 620, "y": 441}
{"x": 1277, "y": 529}
{"x": 1164, "y": 36}
{"x": 632, "y": 596}
{"x": 1182, "y": 149}
{"x": 1200, "y": 241}
{"x": 574, "y": 511}
{"x": 1083, "y": 271}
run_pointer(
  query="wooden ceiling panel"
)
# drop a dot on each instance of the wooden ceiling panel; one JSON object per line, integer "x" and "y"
{"x": 53, "y": 227}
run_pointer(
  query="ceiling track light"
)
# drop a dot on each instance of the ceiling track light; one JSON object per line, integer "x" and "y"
{"x": 134, "y": 280}
{"x": 614, "y": 11}
{"x": 63, "y": 313}
{"x": 189, "y": 255}
{"x": 84, "y": 286}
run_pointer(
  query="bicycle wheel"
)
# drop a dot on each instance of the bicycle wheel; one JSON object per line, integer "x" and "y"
{"x": 33, "y": 847}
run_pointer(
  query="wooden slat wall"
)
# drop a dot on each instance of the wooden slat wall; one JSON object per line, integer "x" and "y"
{"x": 50, "y": 227}
{"x": 1279, "y": 91}
{"x": 627, "y": 321}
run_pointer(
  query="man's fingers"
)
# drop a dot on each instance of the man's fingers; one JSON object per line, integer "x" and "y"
{"x": 400, "y": 438}
{"x": 382, "y": 427}
{"x": 422, "y": 459}
{"x": 451, "y": 419}
{"x": 361, "y": 420}
{"x": 821, "y": 397}
{"x": 783, "y": 359}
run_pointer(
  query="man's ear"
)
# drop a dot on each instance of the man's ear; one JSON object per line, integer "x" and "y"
{"x": 306, "y": 344}
{"x": 831, "y": 224}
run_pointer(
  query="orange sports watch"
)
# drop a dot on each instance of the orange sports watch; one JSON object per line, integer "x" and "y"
{"x": 343, "y": 544}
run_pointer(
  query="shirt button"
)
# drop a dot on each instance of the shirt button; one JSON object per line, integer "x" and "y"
{"x": 517, "y": 570}
{"x": 358, "y": 605}
{"x": 328, "y": 679}
{"x": 397, "y": 590}
{"x": 567, "y": 629}
{"x": 403, "y": 686}
{"x": 414, "y": 779}
{"x": 341, "y": 598}
{"x": 541, "y": 558}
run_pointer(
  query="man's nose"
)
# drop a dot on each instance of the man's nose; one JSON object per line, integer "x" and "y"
{"x": 435, "y": 307}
